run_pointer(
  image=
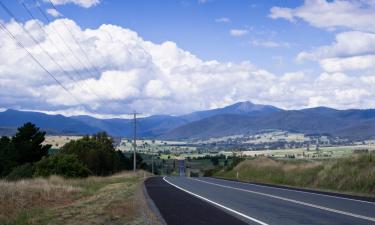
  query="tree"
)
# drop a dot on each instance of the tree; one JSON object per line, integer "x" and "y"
{"x": 61, "y": 164}
{"x": 28, "y": 144}
{"x": 139, "y": 160}
{"x": 97, "y": 153}
{"x": 215, "y": 160}
{"x": 6, "y": 162}
{"x": 25, "y": 147}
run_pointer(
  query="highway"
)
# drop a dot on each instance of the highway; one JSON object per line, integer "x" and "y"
{"x": 241, "y": 203}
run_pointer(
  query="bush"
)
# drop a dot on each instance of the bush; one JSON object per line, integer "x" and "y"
{"x": 61, "y": 164}
{"x": 97, "y": 153}
{"x": 21, "y": 172}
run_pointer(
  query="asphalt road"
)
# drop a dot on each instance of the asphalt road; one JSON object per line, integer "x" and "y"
{"x": 180, "y": 208}
{"x": 254, "y": 204}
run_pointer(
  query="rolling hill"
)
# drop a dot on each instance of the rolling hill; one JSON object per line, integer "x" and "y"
{"x": 239, "y": 118}
{"x": 352, "y": 124}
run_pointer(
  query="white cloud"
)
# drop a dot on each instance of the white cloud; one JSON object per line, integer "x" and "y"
{"x": 354, "y": 63}
{"x": 352, "y": 51}
{"x": 347, "y": 44}
{"x": 238, "y": 32}
{"x": 222, "y": 20}
{"x": 82, "y": 3}
{"x": 270, "y": 44}
{"x": 53, "y": 12}
{"x": 354, "y": 14}
{"x": 152, "y": 78}
{"x": 284, "y": 13}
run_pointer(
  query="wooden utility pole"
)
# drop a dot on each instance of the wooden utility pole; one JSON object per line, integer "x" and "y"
{"x": 135, "y": 142}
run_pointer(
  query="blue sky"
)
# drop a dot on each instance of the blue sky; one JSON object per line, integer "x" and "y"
{"x": 273, "y": 48}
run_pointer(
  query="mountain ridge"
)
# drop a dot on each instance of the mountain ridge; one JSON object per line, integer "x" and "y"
{"x": 238, "y": 118}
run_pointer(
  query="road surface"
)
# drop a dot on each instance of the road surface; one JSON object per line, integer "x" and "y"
{"x": 183, "y": 200}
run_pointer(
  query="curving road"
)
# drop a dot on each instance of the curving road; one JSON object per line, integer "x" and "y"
{"x": 183, "y": 200}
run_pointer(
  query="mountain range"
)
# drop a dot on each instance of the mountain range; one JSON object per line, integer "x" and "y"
{"x": 239, "y": 118}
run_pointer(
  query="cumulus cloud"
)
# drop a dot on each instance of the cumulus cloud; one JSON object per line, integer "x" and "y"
{"x": 352, "y": 51}
{"x": 355, "y": 63}
{"x": 127, "y": 73}
{"x": 354, "y": 15}
{"x": 347, "y": 44}
{"x": 238, "y": 32}
{"x": 82, "y": 3}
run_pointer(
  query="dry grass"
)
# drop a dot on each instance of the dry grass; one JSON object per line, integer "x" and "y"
{"x": 116, "y": 199}
{"x": 354, "y": 174}
{"x": 18, "y": 196}
{"x": 285, "y": 166}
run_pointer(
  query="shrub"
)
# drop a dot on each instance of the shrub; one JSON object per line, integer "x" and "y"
{"x": 61, "y": 164}
{"x": 97, "y": 153}
{"x": 21, "y": 172}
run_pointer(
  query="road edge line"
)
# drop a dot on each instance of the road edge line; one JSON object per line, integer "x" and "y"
{"x": 294, "y": 201}
{"x": 215, "y": 203}
{"x": 308, "y": 191}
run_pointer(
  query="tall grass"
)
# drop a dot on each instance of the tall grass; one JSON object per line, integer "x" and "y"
{"x": 355, "y": 174}
{"x": 18, "y": 196}
{"x": 55, "y": 200}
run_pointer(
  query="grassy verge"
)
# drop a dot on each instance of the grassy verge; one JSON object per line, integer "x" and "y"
{"x": 116, "y": 199}
{"x": 354, "y": 174}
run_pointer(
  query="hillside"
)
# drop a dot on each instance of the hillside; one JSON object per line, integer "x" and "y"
{"x": 352, "y": 174}
{"x": 351, "y": 124}
{"x": 239, "y": 118}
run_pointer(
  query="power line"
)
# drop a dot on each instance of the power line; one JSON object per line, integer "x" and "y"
{"x": 59, "y": 50}
{"x": 37, "y": 61}
{"x": 36, "y": 42}
{"x": 62, "y": 39}
{"x": 76, "y": 41}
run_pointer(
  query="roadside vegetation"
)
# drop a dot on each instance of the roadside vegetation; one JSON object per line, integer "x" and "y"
{"x": 25, "y": 156}
{"x": 116, "y": 199}
{"x": 354, "y": 174}
{"x": 85, "y": 182}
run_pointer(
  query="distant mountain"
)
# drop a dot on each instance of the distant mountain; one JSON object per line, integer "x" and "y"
{"x": 53, "y": 123}
{"x": 239, "y": 118}
{"x": 152, "y": 126}
{"x": 352, "y": 124}
{"x": 240, "y": 108}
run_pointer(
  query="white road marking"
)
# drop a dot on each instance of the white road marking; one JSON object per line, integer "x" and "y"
{"x": 217, "y": 204}
{"x": 305, "y": 192}
{"x": 294, "y": 201}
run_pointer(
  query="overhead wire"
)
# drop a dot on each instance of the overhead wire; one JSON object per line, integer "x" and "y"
{"x": 61, "y": 53}
{"x": 10, "y": 34}
{"x": 84, "y": 66}
{"x": 76, "y": 42}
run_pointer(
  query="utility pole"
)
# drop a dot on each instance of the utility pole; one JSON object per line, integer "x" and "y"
{"x": 135, "y": 141}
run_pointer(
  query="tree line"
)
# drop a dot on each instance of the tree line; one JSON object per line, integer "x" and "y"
{"x": 24, "y": 156}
